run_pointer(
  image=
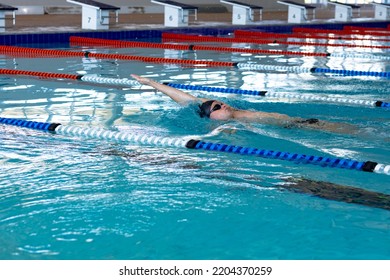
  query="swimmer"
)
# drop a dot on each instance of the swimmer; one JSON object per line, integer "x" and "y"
{"x": 217, "y": 110}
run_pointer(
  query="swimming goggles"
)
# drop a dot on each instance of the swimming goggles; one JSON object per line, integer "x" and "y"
{"x": 216, "y": 108}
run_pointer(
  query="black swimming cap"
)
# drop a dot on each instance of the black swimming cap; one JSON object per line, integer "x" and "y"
{"x": 205, "y": 109}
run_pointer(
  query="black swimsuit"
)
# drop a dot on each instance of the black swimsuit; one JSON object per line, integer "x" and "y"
{"x": 308, "y": 121}
{"x": 297, "y": 123}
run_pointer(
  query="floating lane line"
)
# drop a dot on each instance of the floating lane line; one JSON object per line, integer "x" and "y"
{"x": 354, "y": 32}
{"x": 132, "y": 83}
{"x": 84, "y": 78}
{"x": 101, "y": 134}
{"x": 306, "y": 97}
{"x": 262, "y": 34}
{"x": 196, "y": 63}
{"x": 132, "y": 44}
{"x": 197, "y": 38}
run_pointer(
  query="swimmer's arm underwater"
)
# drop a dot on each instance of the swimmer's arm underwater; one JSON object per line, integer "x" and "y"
{"x": 179, "y": 96}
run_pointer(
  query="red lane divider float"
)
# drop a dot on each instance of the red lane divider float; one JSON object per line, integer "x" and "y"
{"x": 202, "y": 63}
{"x": 35, "y": 52}
{"x": 83, "y": 78}
{"x": 62, "y": 53}
{"x": 334, "y": 31}
{"x": 131, "y": 44}
{"x": 198, "y": 38}
{"x": 125, "y": 44}
{"x": 376, "y": 29}
{"x": 45, "y": 75}
{"x": 367, "y": 31}
{"x": 260, "y": 34}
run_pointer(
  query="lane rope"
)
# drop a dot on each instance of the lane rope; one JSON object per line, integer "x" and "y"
{"x": 85, "y": 78}
{"x": 376, "y": 29}
{"x": 200, "y": 63}
{"x": 245, "y": 33}
{"x": 47, "y": 75}
{"x": 62, "y": 53}
{"x": 305, "y": 97}
{"x": 217, "y": 89}
{"x": 101, "y": 134}
{"x": 262, "y": 34}
{"x": 132, "y": 44}
{"x": 110, "y": 81}
{"x": 340, "y": 32}
{"x": 197, "y": 38}
{"x": 132, "y": 83}
{"x": 299, "y": 69}
{"x": 366, "y": 31}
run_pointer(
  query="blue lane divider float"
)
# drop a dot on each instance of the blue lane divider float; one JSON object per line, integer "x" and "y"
{"x": 132, "y": 83}
{"x": 360, "y": 56}
{"x": 30, "y": 124}
{"x": 367, "y": 166}
{"x": 217, "y": 89}
{"x": 350, "y": 72}
{"x": 306, "y": 97}
{"x": 96, "y": 133}
{"x": 299, "y": 69}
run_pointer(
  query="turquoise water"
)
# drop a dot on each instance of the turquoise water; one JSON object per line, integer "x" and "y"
{"x": 70, "y": 198}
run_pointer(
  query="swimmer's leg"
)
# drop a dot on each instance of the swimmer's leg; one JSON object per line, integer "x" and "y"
{"x": 343, "y": 128}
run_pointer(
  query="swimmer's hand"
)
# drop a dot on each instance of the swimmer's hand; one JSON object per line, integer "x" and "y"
{"x": 142, "y": 80}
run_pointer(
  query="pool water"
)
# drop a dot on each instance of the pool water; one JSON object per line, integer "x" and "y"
{"x": 66, "y": 197}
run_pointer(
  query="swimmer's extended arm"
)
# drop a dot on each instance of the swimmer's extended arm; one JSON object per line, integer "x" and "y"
{"x": 179, "y": 96}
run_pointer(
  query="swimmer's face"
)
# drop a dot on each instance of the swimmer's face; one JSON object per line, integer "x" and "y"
{"x": 220, "y": 111}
